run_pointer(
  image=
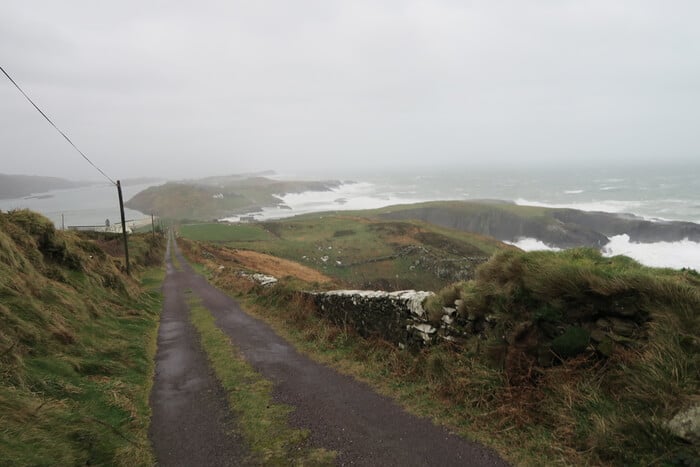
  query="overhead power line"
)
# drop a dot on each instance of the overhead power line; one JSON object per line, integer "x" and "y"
{"x": 57, "y": 129}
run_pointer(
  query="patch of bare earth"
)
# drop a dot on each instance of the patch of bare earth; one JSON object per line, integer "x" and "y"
{"x": 272, "y": 265}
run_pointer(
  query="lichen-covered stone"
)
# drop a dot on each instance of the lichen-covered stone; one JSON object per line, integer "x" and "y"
{"x": 424, "y": 331}
{"x": 391, "y": 315}
{"x": 623, "y": 327}
{"x": 686, "y": 424}
{"x": 260, "y": 279}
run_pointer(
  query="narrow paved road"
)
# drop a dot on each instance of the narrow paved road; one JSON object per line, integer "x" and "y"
{"x": 191, "y": 424}
{"x": 342, "y": 414}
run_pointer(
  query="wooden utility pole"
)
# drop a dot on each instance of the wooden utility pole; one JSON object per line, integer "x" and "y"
{"x": 126, "y": 243}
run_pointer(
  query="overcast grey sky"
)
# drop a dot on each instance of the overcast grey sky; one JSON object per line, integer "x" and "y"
{"x": 180, "y": 89}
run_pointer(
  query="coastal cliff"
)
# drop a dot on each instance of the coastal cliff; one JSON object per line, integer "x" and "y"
{"x": 560, "y": 228}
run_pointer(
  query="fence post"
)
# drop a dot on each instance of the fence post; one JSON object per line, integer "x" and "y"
{"x": 126, "y": 243}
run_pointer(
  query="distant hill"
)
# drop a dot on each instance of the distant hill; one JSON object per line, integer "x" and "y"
{"x": 221, "y": 196}
{"x": 18, "y": 186}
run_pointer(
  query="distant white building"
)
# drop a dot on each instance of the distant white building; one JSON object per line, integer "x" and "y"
{"x": 131, "y": 225}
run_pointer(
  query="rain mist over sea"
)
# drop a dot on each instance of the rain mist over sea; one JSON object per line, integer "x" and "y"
{"x": 669, "y": 193}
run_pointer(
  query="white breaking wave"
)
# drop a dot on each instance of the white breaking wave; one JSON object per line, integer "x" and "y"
{"x": 532, "y": 244}
{"x": 676, "y": 255}
{"x": 346, "y": 197}
{"x": 573, "y": 192}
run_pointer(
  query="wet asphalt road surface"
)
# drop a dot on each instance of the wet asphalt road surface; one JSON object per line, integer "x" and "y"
{"x": 191, "y": 424}
{"x": 343, "y": 415}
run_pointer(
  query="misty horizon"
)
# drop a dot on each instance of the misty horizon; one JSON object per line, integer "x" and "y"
{"x": 619, "y": 168}
{"x": 172, "y": 90}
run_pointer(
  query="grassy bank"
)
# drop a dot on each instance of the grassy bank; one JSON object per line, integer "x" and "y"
{"x": 77, "y": 339}
{"x": 594, "y": 406}
{"x": 262, "y": 422}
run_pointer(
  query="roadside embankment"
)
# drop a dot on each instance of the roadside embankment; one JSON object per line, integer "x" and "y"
{"x": 77, "y": 338}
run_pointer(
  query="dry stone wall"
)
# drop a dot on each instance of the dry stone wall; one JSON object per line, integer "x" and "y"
{"x": 396, "y": 316}
{"x": 400, "y": 317}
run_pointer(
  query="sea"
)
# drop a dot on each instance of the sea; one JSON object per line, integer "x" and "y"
{"x": 89, "y": 205}
{"x": 654, "y": 193}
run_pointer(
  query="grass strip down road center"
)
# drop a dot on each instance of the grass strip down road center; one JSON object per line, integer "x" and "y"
{"x": 262, "y": 422}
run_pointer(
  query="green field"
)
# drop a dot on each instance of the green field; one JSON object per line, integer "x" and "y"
{"x": 216, "y": 232}
{"x": 360, "y": 252}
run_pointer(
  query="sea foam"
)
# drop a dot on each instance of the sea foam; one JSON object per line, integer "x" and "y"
{"x": 532, "y": 244}
{"x": 346, "y": 197}
{"x": 676, "y": 255}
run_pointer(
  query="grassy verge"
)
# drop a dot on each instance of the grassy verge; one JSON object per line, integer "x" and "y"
{"x": 77, "y": 340}
{"x": 263, "y": 422}
{"x": 174, "y": 262}
{"x": 86, "y": 403}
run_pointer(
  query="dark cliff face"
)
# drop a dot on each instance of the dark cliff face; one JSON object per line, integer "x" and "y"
{"x": 639, "y": 230}
{"x": 505, "y": 225}
{"x": 562, "y": 228}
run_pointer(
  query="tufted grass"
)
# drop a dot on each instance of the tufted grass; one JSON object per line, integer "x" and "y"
{"x": 77, "y": 339}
